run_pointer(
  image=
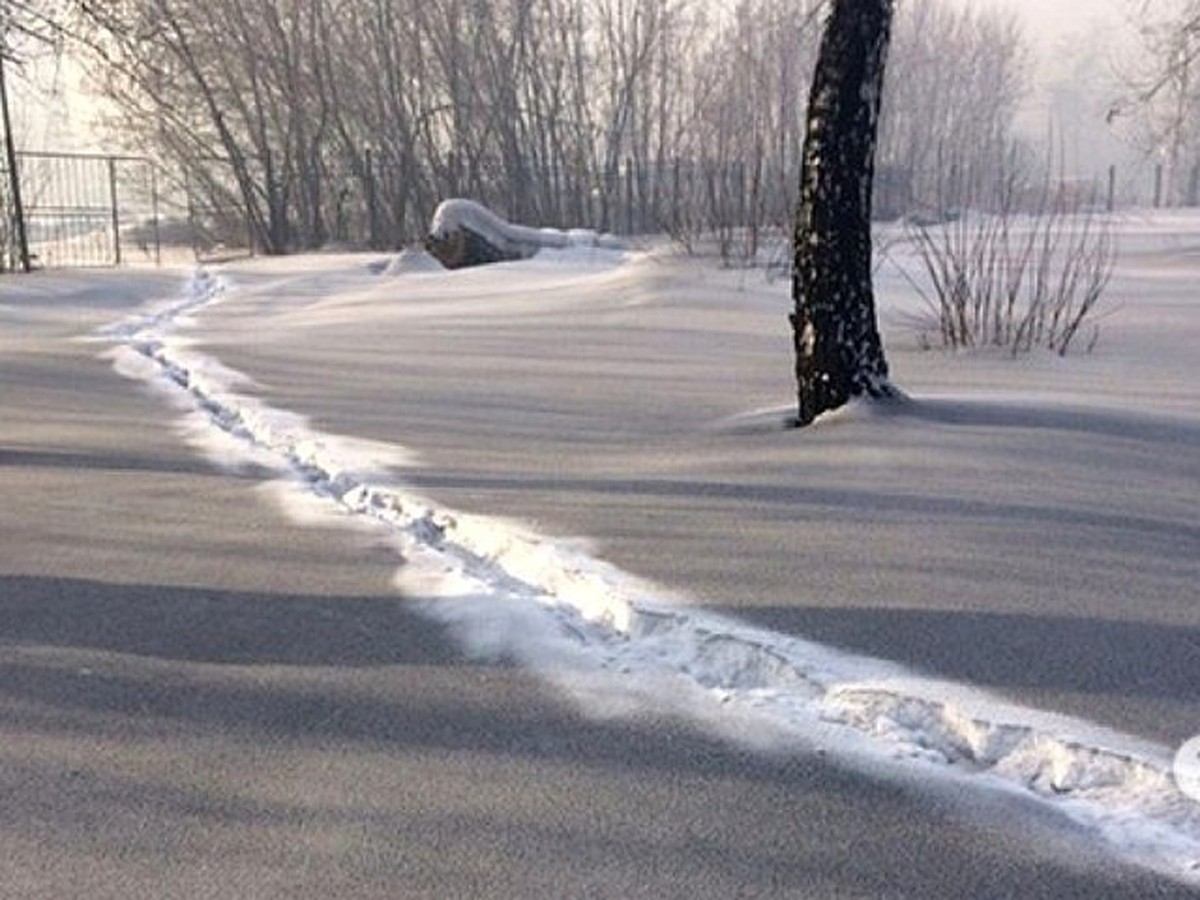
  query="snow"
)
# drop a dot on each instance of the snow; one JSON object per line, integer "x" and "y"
{"x": 1187, "y": 768}
{"x": 519, "y": 239}
{"x": 412, "y": 260}
{"x": 617, "y": 641}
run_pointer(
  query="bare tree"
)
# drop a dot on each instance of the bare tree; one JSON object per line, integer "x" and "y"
{"x": 958, "y": 76}
{"x": 24, "y": 23}
{"x": 320, "y": 119}
{"x": 747, "y": 135}
{"x": 839, "y": 354}
{"x": 1161, "y": 109}
{"x": 1012, "y": 280}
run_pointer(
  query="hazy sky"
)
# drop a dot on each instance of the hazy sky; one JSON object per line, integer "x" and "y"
{"x": 1078, "y": 47}
{"x": 1048, "y": 21}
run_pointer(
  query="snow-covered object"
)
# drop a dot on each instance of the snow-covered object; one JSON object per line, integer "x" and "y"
{"x": 464, "y": 232}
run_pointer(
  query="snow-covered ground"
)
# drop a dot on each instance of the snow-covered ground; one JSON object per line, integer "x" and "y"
{"x": 1007, "y": 560}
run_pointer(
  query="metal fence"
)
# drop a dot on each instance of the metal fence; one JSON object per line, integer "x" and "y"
{"x": 81, "y": 209}
{"x": 105, "y": 210}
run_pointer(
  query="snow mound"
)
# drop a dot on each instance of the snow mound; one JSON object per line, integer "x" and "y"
{"x": 573, "y": 618}
{"x": 412, "y": 260}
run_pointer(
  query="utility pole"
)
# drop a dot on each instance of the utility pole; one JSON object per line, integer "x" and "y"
{"x": 14, "y": 177}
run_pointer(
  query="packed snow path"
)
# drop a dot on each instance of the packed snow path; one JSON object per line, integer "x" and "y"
{"x": 595, "y": 629}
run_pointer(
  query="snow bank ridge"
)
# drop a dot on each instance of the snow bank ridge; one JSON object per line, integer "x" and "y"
{"x": 610, "y": 622}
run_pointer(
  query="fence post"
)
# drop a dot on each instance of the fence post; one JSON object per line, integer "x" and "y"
{"x": 1158, "y": 185}
{"x": 116, "y": 214}
{"x": 676, "y": 217}
{"x": 14, "y": 175}
{"x": 629, "y": 195}
{"x": 372, "y": 203}
{"x": 739, "y": 185}
{"x": 154, "y": 215}
{"x": 193, "y": 225}
{"x": 941, "y": 180}
{"x": 1112, "y": 188}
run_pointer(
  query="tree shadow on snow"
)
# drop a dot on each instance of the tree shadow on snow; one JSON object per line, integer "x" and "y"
{"x": 216, "y": 626}
{"x": 1008, "y": 650}
{"x": 1125, "y": 424}
{"x": 977, "y": 413}
{"x": 402, "y": 685}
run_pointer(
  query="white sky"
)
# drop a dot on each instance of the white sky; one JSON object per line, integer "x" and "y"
{"x": 1079, "y": 46}
{"x": 1048, "y": 21}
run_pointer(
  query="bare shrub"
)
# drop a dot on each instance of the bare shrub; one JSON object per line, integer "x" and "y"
{"x": 1016, "y": 280}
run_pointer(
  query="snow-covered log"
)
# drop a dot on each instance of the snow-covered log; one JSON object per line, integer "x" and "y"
{"x": 464, "y": 233}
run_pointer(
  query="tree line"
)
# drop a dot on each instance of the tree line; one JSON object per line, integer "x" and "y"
{"x": 320, "y": 120}
{"x": 1159, "y": 112}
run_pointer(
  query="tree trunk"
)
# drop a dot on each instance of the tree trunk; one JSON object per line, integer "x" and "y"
{"x": 838, "y": 351}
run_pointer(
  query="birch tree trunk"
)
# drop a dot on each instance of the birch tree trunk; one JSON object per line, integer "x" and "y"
{"x": 838, "y": 351}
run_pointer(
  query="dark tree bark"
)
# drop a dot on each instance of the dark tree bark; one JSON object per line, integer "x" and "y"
{"x": 838, "y": 351}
